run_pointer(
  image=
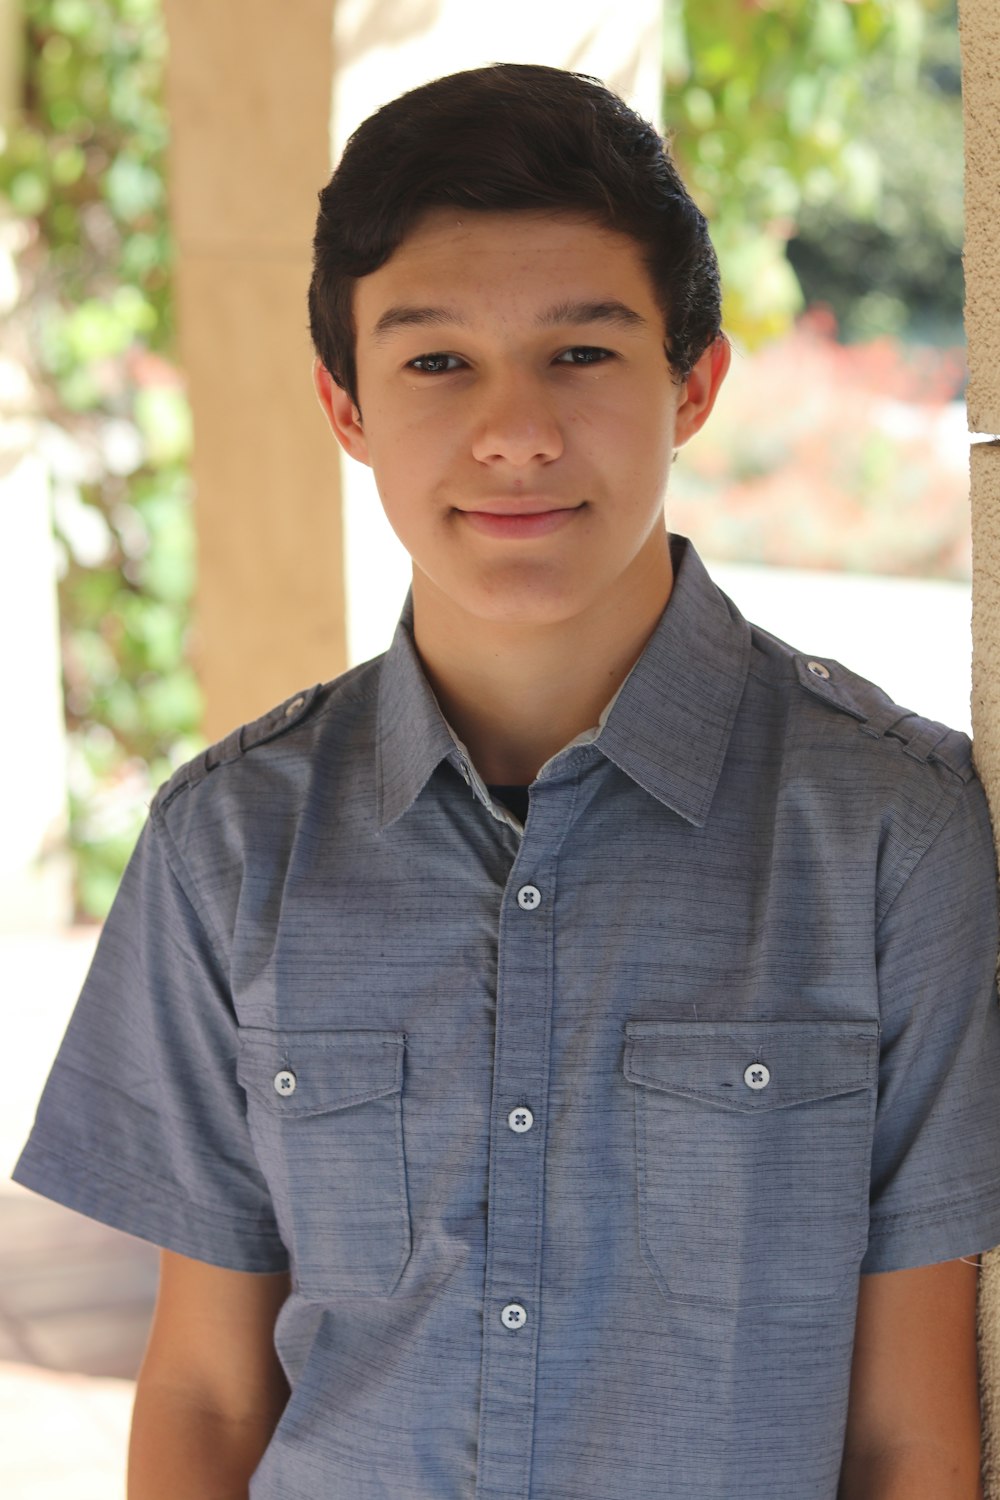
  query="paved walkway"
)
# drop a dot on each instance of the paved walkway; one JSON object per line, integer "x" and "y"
{"x": 75, "y": 1297}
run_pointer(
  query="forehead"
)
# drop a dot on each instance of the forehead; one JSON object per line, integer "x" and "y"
{"x": 510, "y": 261}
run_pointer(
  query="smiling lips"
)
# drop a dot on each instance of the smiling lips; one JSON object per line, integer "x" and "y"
{"x": 520, "y": 518}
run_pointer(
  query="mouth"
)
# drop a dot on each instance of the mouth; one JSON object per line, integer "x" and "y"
{"x": 529, "y": 519}
{"x": 510, "y": 505}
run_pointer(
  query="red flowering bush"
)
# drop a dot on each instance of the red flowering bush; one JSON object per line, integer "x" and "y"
{"x": 825, "y": 455}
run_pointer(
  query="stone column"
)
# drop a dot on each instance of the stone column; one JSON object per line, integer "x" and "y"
{"x": 980, "y": 29}
{"x": 249, "y": 90}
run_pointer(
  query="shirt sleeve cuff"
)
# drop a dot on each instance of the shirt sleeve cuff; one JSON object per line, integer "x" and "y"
{"x": 947, "y": 1231}
{"x": 150, "y": 1211}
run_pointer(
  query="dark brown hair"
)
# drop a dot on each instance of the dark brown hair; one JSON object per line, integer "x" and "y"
{"x": 507, "y": 137}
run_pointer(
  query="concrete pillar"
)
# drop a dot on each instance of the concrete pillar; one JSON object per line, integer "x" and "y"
{"x": 986, "y": 739}
{"x": 249, "y": 87}
{"x": 980, "y": 29}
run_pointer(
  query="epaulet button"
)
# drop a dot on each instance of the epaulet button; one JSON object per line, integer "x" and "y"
{"x": 235, "y": 744}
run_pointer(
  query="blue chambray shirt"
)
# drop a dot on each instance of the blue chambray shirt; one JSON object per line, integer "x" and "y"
{"x": 575, "y": 1136}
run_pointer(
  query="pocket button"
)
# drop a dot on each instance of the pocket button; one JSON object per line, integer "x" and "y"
{"x": 284, "y": 1082}
{"x": 756, "y": 1076}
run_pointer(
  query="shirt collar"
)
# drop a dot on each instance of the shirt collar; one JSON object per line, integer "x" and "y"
{"x": 670, "y": 726}
{"x": 667, "y": 727}
{"x": 412, "y": 735}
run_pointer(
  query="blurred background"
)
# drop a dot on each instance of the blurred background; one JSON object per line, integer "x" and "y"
{"x": 829, "y": 493}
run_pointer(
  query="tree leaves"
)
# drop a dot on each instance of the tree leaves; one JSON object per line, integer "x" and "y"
{"x": 84, "y": 169}
{"x": 767, "y": 104}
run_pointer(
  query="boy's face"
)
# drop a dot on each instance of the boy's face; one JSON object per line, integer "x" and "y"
{"x": 514, "y": 363}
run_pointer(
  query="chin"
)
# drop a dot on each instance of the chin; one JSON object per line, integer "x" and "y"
{"x": 511, "y": 594}
{"x": 524, "y": 605}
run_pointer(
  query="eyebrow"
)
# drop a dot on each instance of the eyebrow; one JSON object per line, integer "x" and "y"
{"x": 608, "y": 311}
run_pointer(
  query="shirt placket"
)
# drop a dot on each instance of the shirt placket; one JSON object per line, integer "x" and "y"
{"x": 512, "y": 1306}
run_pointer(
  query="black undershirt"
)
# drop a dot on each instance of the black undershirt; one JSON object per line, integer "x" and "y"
{"x": 515, "y": 798}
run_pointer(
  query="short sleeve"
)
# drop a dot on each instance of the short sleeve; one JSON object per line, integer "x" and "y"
{"x": 935, "y": 1183}
{"x": 142, "y": 1123}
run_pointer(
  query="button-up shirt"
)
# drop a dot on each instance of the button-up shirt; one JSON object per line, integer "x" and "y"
{"x": 575, "y": 1134}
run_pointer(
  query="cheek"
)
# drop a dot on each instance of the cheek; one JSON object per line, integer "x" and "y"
{"x": 394, "y": 446}
{"x": 420, "y": 455}
{"x": 397, "y": 431}
{"x": 632, "y": 439}
{"x": 640, "y": 407}
{"x": 411, "y": 473}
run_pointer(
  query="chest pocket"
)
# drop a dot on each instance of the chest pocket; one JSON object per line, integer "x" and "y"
{"x": 753, "y": 1156}
{"x": 324, "y": 1109}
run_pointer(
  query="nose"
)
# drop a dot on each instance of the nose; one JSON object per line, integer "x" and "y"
{"x": 516, "y": 424}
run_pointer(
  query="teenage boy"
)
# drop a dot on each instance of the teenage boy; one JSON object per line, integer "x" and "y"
{"x": 559, "y": 1058}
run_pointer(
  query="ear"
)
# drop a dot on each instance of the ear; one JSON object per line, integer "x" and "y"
{"x": 341, "y": 413}
{"x": 700, "y": 390}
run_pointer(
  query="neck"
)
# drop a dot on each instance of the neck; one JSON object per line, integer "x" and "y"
{"x": 516, "y": 693}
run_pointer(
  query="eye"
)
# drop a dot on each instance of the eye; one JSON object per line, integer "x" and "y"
{"x": 584, "y": 354}
{"x": 434, "y": 364}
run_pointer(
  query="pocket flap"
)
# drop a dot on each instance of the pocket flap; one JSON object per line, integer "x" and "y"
{"x": 708, "y": 1060}
{"x": 297, "y": 1073}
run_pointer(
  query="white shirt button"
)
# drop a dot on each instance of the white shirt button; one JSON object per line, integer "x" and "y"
{"x": 513, "y": 1315}
{"x": 284, "y": 1082}
{"x": 528, "y": 897}
{"x": 757, "y": 1076}
{"x": 817, "y": 669}
{"x": 520, "y": 1120}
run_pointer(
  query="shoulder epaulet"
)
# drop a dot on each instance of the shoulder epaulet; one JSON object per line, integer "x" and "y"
{"x": 269, "y": 726}
{"x": 879, "y": 718}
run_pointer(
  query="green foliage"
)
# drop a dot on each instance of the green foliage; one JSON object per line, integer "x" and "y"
{"x": 898, "y": 269}
{"x": 770, "y": 104}
{"x": 84, "y": 167}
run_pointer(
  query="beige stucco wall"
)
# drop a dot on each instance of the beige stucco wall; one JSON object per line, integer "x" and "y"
{"x": 986, "y": 737}
{"x": 249, "y": 87}
{"x": 980, "y": 27}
